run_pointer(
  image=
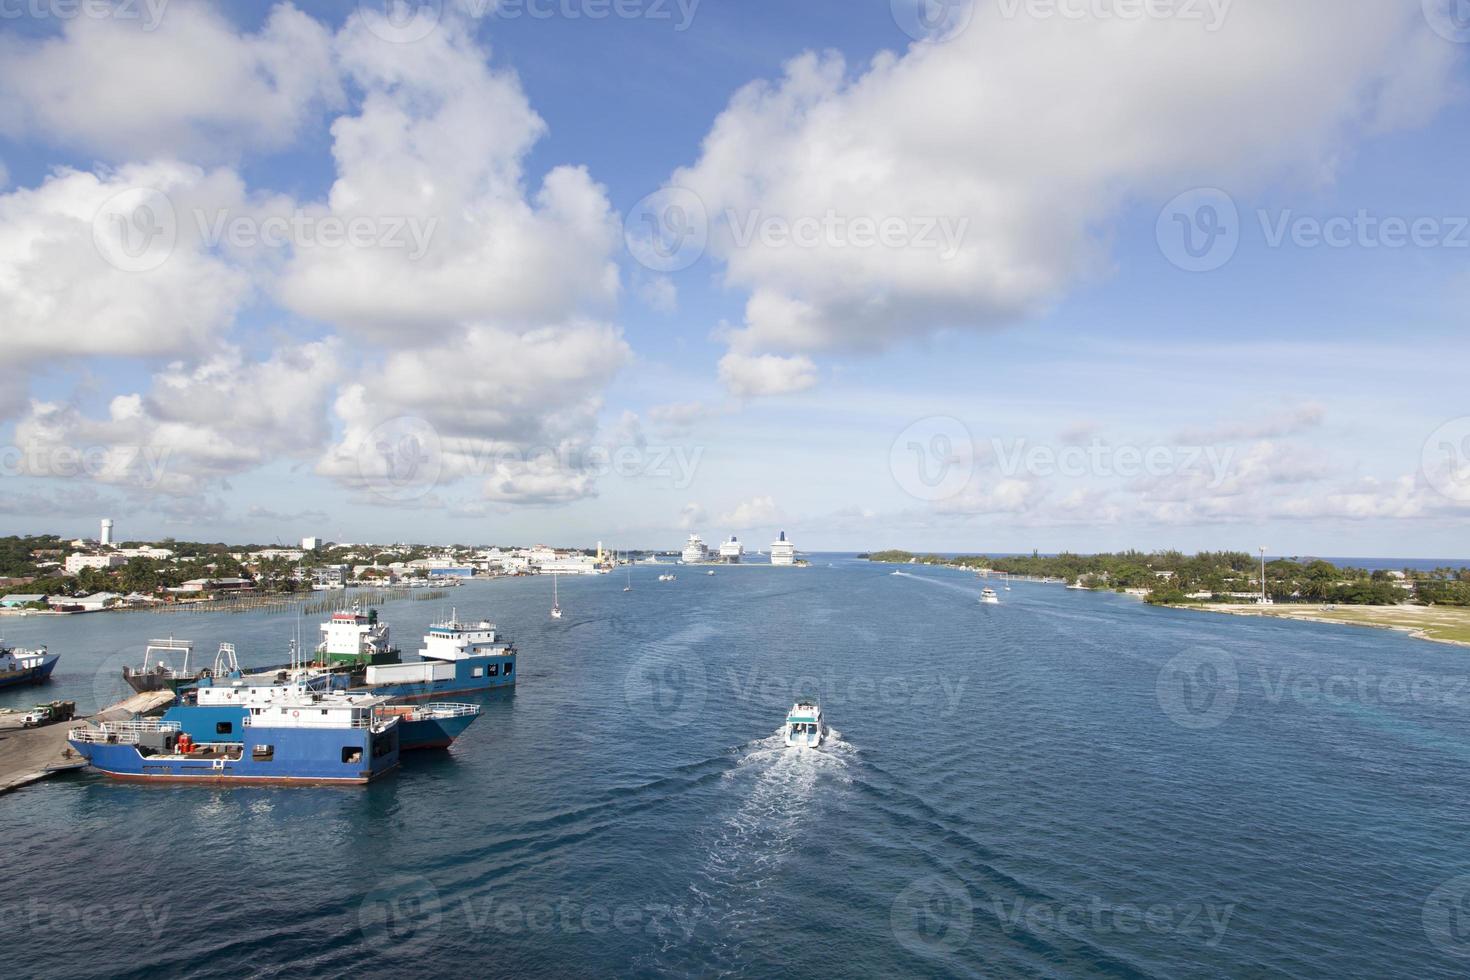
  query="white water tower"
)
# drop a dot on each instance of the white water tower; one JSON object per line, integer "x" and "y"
{"x": 106, "y": 539}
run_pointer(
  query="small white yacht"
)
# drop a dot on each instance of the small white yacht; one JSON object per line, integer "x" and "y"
{"x": 555, "y": 605}
{"x": 989, "y": 597}
{"x": 804, "y": 727}
{"x": 710, "y": 572}
{"x": 669, "y": 577}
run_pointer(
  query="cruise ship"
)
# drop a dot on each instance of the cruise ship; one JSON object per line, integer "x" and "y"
{"x": 783, "y": 552}
{"x": 732, "y": 551}
{"x": 695, "y": 551}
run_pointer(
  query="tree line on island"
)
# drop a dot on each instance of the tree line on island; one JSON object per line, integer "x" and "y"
{"x": 1172, "y": 577}
{"x": 35, "y": 560}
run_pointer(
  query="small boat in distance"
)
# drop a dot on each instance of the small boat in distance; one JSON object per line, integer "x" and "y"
{"x": 555, "y": 605}
{"x": 669, "y": 577}
{"x": 710, "y": 572}
{"x": 25, "y": 666}
{"x": 989, "y": 597}
{"x": 629, "y": 586}
{"x": 804, "y": 727}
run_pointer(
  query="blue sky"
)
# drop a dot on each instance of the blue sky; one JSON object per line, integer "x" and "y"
{"x": 526, "y": 377}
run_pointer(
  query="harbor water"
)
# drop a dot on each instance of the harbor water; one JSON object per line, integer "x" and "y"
{"x": 1064, "y": 784}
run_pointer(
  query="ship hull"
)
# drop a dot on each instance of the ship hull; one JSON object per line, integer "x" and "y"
{"x": 32, "y": 675}
{"x": 295, "y": 756}
{"x": 432, "y": 733}
{"x": 145, "y": 683}
{"x": 208, "y": 723}
{"x": 473, "y": 675}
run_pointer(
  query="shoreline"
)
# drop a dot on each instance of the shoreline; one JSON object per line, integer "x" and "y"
{"x": 1397, "y": 618}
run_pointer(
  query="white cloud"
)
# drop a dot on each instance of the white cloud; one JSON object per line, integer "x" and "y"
{"x": 753, "y": 513}
{"x": 190, "y": 85}
{"x": 516, "y": 411}
{"x": 194, "y": 428}
{"x": 68, "y": 285}
{"x": 692, "y": 516}
{"x": 660, "y": 293}
{"x": 750, "y": 376}
{"x": 441, "y": 139}
{"x": 679, "y": 418}
{"x": 1030, "y": 134}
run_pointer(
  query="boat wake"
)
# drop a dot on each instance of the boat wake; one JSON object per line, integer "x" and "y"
{"x": 778, "y": 793}
{"x": 967, "y": 590}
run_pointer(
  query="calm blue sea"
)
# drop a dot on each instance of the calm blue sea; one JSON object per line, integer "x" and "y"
{"x": 1067, "y": 784}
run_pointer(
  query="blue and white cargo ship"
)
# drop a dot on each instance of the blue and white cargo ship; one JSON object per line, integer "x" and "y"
{"x": 220, "y": 705}
{"x": 457, "y": 658}
{"x": 25, "y": 666}
{"x": 290, "y": 741}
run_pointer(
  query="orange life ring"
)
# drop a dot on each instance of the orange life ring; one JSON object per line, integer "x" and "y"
{"x": 295, "y": 714}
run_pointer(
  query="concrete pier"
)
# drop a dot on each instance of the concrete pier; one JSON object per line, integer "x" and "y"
{"x": 32, "y": 754}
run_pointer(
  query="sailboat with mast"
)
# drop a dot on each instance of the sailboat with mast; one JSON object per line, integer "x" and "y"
{"x": 629, "y": 586}
{"x": 555, "y": 604}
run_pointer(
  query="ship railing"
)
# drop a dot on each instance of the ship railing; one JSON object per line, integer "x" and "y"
{"x": 448, "y": 709}
{"x": 124, "y": 732}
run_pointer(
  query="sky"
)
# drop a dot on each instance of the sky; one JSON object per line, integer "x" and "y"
{"x": 959, "y": 275}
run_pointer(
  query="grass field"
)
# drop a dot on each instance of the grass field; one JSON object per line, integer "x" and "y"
{"x": 1447, "y": 624}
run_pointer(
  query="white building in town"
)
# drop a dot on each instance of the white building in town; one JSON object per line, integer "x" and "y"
{"x": 783, "y": 552}
{"x": 569, "y": 565}
{"x": 75, "y": 563}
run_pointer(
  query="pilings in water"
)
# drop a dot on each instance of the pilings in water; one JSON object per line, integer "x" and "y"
{"x": 309, "y": 604}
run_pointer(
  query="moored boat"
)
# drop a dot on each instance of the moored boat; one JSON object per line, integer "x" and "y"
{"x": 457, "y": 658}
{"x": 292, "y": 741}
{"x": 25, "y": 666}
{"x": 221, "y": 704}
{"x": 159, "y": 672}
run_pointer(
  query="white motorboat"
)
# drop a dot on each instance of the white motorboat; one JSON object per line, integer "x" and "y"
{"x": 804, "y": 726}
{"x": 989, "y": 597}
